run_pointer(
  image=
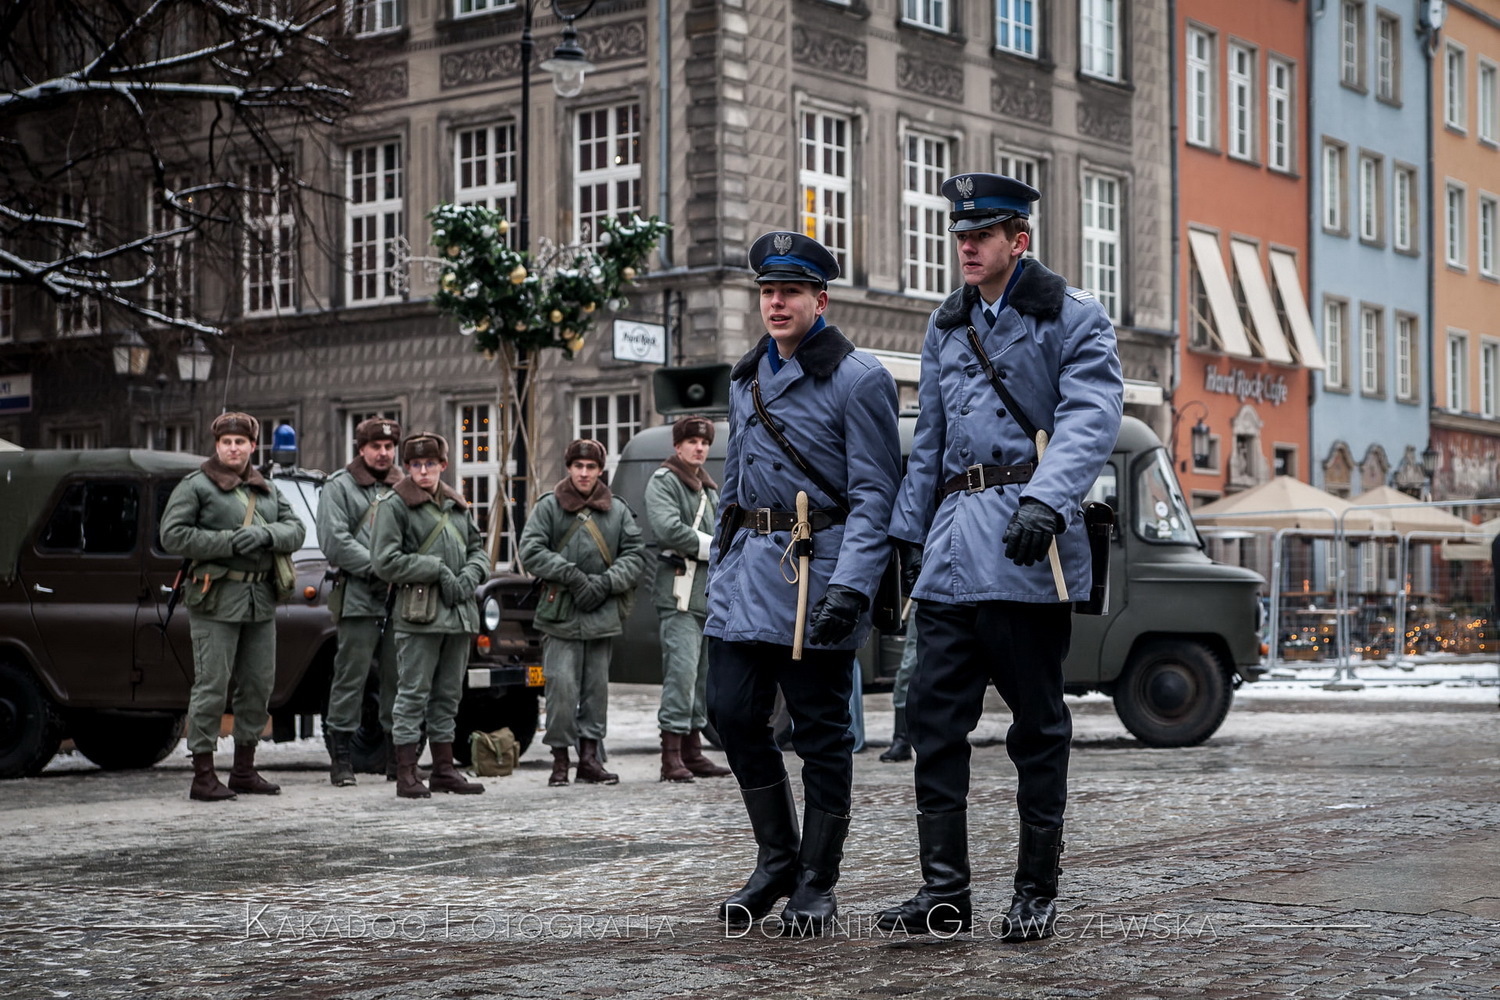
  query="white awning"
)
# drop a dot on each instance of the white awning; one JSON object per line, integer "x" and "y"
{"x": 1143, "y": 393}
{"x": 1304, "y": 336}
{"x": 1220, "y": 294}
{"x": 1258, "y": 298}
{"x": 903, "y": 367}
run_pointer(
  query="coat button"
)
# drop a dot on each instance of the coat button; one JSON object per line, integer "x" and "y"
{"x": 970, "y": 373}
{"x": 776, "y": 466}
{"x": 752, "y": 421}
{"x": 1000, "y": 412}
{"x": 995, "y": 454}
{"x": 966, "y": 410}
{"x": 1001, "y": 373}
{"x": 750, "y": 460}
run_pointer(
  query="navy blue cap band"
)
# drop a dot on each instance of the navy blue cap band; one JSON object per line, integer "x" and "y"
{"x": 990, "y": 205}
{"x": 769, "y": 262}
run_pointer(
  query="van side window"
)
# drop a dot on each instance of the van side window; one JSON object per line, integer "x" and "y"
{"x": 164, "y": 488}
{"x": 94, "y": 518}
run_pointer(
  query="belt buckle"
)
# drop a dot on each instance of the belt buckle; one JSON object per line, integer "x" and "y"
{"x": 975, "y": 474}
{"x": 763, "y": 520}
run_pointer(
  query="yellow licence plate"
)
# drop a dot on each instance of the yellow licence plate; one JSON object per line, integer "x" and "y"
{"x": 534, "y": 676}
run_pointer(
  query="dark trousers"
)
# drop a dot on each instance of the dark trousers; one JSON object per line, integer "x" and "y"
{"x": 742, "y": 682}
{"x": 1017, "y": 647}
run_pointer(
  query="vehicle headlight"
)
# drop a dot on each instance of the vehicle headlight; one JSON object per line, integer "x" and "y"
{"x": 491, "y": 614}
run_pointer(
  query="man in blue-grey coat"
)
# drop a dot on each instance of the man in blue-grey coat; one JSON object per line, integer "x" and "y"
{"x": 976, "y": 488}
{"x": 836, "y": 408}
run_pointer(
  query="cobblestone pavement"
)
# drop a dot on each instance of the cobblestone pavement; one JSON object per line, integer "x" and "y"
{"x": 1311, "y": 849}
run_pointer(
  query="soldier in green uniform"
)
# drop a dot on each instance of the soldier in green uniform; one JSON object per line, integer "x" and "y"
{"x": 681, "y": 501}
{"x": 582, "y": 541}
{"x": 426, "y": 543}
{"x": 346, "y": 519}
{"x": 231, "y": 523}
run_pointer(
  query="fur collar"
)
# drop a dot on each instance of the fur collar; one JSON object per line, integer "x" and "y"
{"x": 228, "y": 480}
{"x": 408, "y": 490}
{"x": 601, "y": 499}
{"x": 1038, "y": 292}
{"x": 693, "y": 479}
{"x": 819, "y": 358}
{"x": 365, "y": 476}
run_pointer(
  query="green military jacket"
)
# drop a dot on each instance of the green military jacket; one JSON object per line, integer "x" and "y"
{"x": 544, "y": 556}
{"x": 202, "y": 515}
{"x": 682, "y": 519}
{"x": 402, "y": 524}
{"x": 346, "y": 523}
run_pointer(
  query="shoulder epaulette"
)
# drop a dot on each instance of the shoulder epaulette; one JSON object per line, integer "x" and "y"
{"x": 1080, "y": 295}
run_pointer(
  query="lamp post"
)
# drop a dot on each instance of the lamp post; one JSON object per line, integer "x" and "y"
{"x": 1201, "y": 441}
{"x": 568, "y": 66}
{"x": 1429, "y": 468}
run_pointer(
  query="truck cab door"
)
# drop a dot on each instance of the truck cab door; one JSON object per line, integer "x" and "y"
{"x": 164, "y": 661}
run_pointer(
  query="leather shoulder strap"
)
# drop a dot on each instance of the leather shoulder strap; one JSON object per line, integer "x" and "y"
{"x": 999, "y": 384}
{"x": 796, "y": 456}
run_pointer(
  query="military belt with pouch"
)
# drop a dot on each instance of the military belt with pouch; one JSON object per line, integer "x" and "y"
{"x": 419, "y": 601}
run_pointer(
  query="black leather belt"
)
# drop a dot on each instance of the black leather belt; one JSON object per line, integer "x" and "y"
{"x": 765, "y": 520}
{"x": 978, "y": 478}
{"x": 240, "y": 576}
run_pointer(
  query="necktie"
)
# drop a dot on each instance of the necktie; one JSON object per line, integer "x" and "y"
{"x": 989, "y": 317}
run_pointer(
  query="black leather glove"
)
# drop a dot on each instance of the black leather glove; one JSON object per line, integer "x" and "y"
{"x": 911, "y": 564}
{"x": 249, "y": 538}
{"x": 449, "y": 586}
{"x": 1030, "y": 532}
{"x": 574, "y": 579}
{"x": 833, "y": 618}
{"x": 592, "y": 595}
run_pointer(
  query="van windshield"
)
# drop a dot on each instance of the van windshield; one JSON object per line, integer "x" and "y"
{"x": 1161, "y": 514}
{"x": 302, "y": 494}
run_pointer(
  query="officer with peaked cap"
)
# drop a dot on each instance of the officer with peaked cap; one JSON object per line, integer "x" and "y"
{"x": 346, "y": 520}
{"x": 836, "y": 407}
{"x": 1011, "y": 351}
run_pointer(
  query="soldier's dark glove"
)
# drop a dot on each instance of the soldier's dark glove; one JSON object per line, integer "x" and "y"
{"x": 1030, "y": 532}
{"x": 911, "y": 564}
{"x": 833, "y": 618}
{"x": 249, "y": 538}
{"x": 592, "y": 595}
{"x": 449, "y": 586}
{"x": 574, "y": 579}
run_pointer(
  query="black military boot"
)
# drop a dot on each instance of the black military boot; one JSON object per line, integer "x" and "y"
{"x": 942, "y": 905}
{"x": 813, "y": 904}
{"x": 1032, "y": 914}
{"x": 341, "y": 761}
{"x": 900, "y": 749}
{"x": 773, "y": 818}
{"x": 390, "y": 758}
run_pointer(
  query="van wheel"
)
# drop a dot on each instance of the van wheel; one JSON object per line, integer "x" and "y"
{"x": 1173, "y": 694}
{"x": 121, "y": 742}
{"x": 30, "y": 730}
{"x": 516, "y": 710}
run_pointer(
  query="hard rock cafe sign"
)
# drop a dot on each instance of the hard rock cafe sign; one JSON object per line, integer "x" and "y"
{"x": 1245, "y": 385}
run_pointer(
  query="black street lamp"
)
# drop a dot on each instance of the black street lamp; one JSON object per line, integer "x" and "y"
{"x": 1429, "y": 467}
{"x": 568, "y": 66}
{"x": 1201, "y": 442}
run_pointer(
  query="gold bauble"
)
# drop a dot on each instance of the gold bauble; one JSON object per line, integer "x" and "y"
{"x": 518, "y": 274}
{"x": 482, "y": 325}
{"x": 449, "y": 282}
{"x": 520, "y": 325}
{"x": 628, "y": 273}
{"x": 555, "y": 315}
{"x": 574, "y": 344}
{"x": 591, "y": 307}
{"x": 503, "y": 227}
{"x": 453, "y": 250}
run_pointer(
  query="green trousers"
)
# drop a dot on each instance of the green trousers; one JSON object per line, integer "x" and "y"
{"x": 430, "y": 682}
{"x": 577, "y": 675}
{"x": 358, "y": 642}
{"x": 684, "y": 672}
{"x": 233, "y": 663}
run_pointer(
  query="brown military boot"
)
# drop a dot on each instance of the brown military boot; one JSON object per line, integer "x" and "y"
{"x": 590, "y": 771}
{"x": 408, "y": 785}
{"x": 206, "y": 786}
{"x": 672, "y": 768}
{"x": 560, "y": 766}
{"x": 445, "y": 777}
{"x": 244, "y": 778}
{"x": 694, "y": 761}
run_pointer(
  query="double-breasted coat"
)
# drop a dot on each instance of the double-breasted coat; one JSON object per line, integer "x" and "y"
{"x": 346, "y": 524}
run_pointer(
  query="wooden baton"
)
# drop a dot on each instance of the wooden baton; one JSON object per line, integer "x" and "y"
{"x": 801, "y": 530}
{"x": 1052, "y": 556}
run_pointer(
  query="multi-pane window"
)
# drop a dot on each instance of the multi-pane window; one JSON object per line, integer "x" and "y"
{"x": 484, "y": 164}
{"x": 1099, "y": 38}
{"x": 476, "y": 468}
{"x": 1369, "y": 198}
{"x": 1404, "y": 182}
{"x": 376, "y": 205}
{"x": 827, "y": 183}
{"x": 1487, "y": 212}
{"x": 78, "y": 315}
{"x": 1200, "y": 87}
{"x": 926, "y": 13}
{"x": 1028, "y": 170}
{"x": 1351, "y": 43}
{"x": 268, "y": 424}
{"x": 1484, "y": 103}
{"x": 1455, "y": 77}
{"x": 366, "y": 17}
{"x": 1489, "y": 378}
{"x": 270, "y": 246}
{"x": 924, "y": 212}
{"x": 1280, "y": 115}
{"x": 1369, "y": 350}
{"x": 1455, "y": 230}
{"x": 463, "y": 8}
{"x": 1406, "y": 356}
{"x": 612, "y": 419}
{"x": 1016, "y": 26}
{"x": 170, "y": 290}
{"x": 1387, "y": 58}
{"x": 606, "y": 168}
{"x": 1335, "y": 315}
{"x": 171, "y": 435}
{"x": 1101, "y": 240}
{"x": 353, "y": 418}
{"x": 1241, "y": 102}
{"x": 1458, "y": 371}
{"x": 1333, "y": 187}
{"x": 76, "y": 439}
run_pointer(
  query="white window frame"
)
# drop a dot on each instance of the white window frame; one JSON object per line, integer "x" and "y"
{"x": 1028, "y": 170}
{"x": 170, "y": 290}
{"x": 268, "y": 425}
{"x": 1387, "y": 57}
{"x": 1242, "y": 111}
{"x": 825, "y": 147}
{"x": 482, "y": 156}
{"x": 1352, "y": 43}
{"x": 1281, "y": 114}
{"x": 1103, "y": 226}
{"x": 1455, "y": 226}
{"x": 75, "y": 438}
{"x": 1369, "y": 349}
{"x": 1458, "y": 371}
{"x": 372, "y": 17}
{"x": 1335, "y": 321}
{"x": 1406, "y": 356}
{"x": 78, "y": 316}
{"x": 1333, "y": 186}
{"x": 1489, "y": 209}
{"x": 927, "y": 255}
{"x": 1455, "y": 83}
{"x": 355, "y": 416}
{"x": 268, "y": 253}
{"x": 1201, "y": 101}
{"x": 1404, "y": 181}
{"x": 1371, "y": 224}
{"x": 614, "y": 189}
{"x": 1489, "y": 377}
{"x": 1486, "y": 114}
{"x": 930, "y": 14}
{"x": 622, "y": 419}
{"x": 475, "y": 8}
{"x": 476, "y": 467}
{"x": 376, "y": 190}
{"x": 1099, "y": 52}
{"x": 1018, "y": 27}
